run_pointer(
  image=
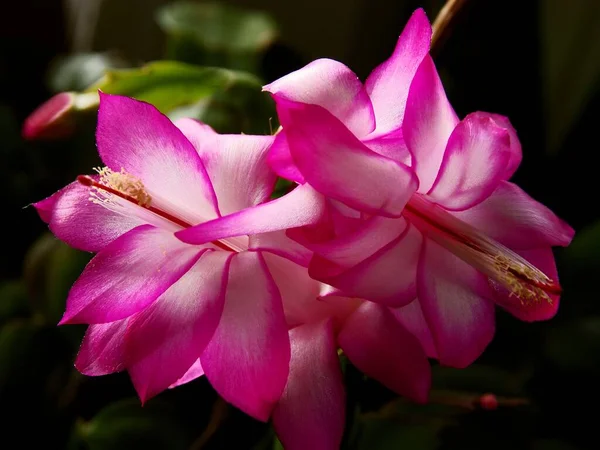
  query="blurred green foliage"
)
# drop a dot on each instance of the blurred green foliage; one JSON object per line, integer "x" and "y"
{"x": 544, "y": 374}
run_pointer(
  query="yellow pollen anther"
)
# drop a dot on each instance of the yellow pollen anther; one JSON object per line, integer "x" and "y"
{"x": 523, "y": 281}
{"x": 124, "y": 183}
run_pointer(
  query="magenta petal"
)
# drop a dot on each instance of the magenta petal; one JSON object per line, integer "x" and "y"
{"x": 236, "y": 164}
{"x": 102, "y": 350}
{"x": 331, "y": 85}
{"x": 387, "y": 277}
{"x": 128, "y": 275}
{"x": 135, "y": 136}
{"x": 390, "y": 145}
{"x": 352, "y": 248}
{"x": 280, "y": 160}
{"x": 460, "y": 318}
{"x": 82, "y": 224}
{"x": 165, "y": 339}
{"x": 302, "y": 206}
{"x": 513, "y": 218}
{"x": 278, "y": 243}
{"x": 428, "y": 122}
{"x": 247, "y": 360}
{"x": 378, "y": 345}
{"x": 516, "y": 153}
{"x": 474, "y": 163}
{"x": 541, "y": 309}
{"x": 311, "y": 411}
{"x": 412, "y": 318}
{"x": 338, "y": 165}
{"x": 389, "y": 83}
{"x": 195, "y": 371}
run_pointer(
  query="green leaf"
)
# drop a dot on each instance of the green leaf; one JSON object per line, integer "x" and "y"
{"x": 126, "y": 424}
{"x": 216, "y": 34}
{"x": 551, "y": 444}
{"x": 479, "y": 378}
{"x": 13, "y": 300}
{"x": 389, "y": 434}
{"x": 51, "y": 267}
{"x": 570, "y": 41}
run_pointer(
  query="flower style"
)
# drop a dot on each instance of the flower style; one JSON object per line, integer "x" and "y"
{"x": 420, "y": 207}
{"x": 156, "y": 304}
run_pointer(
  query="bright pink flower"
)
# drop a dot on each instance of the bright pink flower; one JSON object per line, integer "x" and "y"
{"x": 420, "y": 206}
{"x": 155, "y": 304}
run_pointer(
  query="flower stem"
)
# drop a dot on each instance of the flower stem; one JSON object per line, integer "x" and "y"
{"x": 442, "y": 22}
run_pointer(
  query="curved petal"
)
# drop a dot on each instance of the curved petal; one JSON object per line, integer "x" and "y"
{"x": 514, "y": 219}
{"x": 451, "y": 294}
{"x": 302, "y": 206}
{"x": 128, "y": 275}
{"x": 236, "y": 164}
{"x": 378, "y": 345}
{"x": 278, "y": 243}
{"x": 339, "y": 166}
{"x": 164, "y": 340}
{"x": 195, "y": 371}
{"x": 428, "y": 122}
{"x": 390, "y": 145}
{"x": 411, "y": 317}
{"x": 281, "y": 162}
{"x": 516, "y": 153}
{"x": 350, "y": 249}
{"x": 136, "y": 137}
{"x": 389, "y": 83}
{"x": 541, "y": 308}
{"x": 311, "y": 411}
{"x": 475, "y": 162}
{"x": 81, "y": 223}
{"x": 331, "y": 85}
{"x": 387, "y": 277}
{"x": 247, "y": 360}
{"x": 102, "y": 350}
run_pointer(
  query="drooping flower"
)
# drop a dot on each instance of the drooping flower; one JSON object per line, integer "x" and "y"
{"x": 155, "y": 304}
{"x": 421, "y": 211}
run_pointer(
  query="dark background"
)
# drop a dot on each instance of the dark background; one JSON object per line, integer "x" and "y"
{"x": 538, "y": 62}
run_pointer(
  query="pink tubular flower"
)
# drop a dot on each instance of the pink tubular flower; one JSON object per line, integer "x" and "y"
{"x": 420, "y": 207}
{"x": 155, "y": 304}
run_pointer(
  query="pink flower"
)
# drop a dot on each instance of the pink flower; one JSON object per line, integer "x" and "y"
{"x": 155, "y": 304}
{"x": 420, "y": 207}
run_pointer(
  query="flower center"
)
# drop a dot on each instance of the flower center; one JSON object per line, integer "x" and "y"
{"x": 521, "y": 278}
{"x": 127, "y": 187}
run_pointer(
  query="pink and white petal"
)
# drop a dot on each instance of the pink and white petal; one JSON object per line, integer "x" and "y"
{"x": 331, "y": 85}
{"x": 128, "y": 275}
{"x": 164, "y": 340}
{"x": 247, "y": 360}
{"x": 236, "y": 164}
{"x": 136, "y": 137}
{"x": 196, "y": 371}
{"x": 302, "y": 206}
{"x": 412, "y": 318}
{"x": 454, "y": 299}
{"x": 280, "y": 160}
{"x": 102, "y": 350}
{"x": 79, "y": 222}
{"x": 314, "y": 395}
{"x": 540, "y": 309}
{"x": 389, "y": 83}
{"x": 387, "y": 277}
{"x": 390, "y": 145}
{"x": 339, "y": 166}
{"x": 350, "y": 249}
{"x": 278, "y": 243}
{"x": 298, "y": 291}
{"x": 516, "y": 153}
{"x": 380, "y": 347}
{"x": 474, "y": 163}
{"x": 428, "y": 122}
{"x": 516, "y": 220}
